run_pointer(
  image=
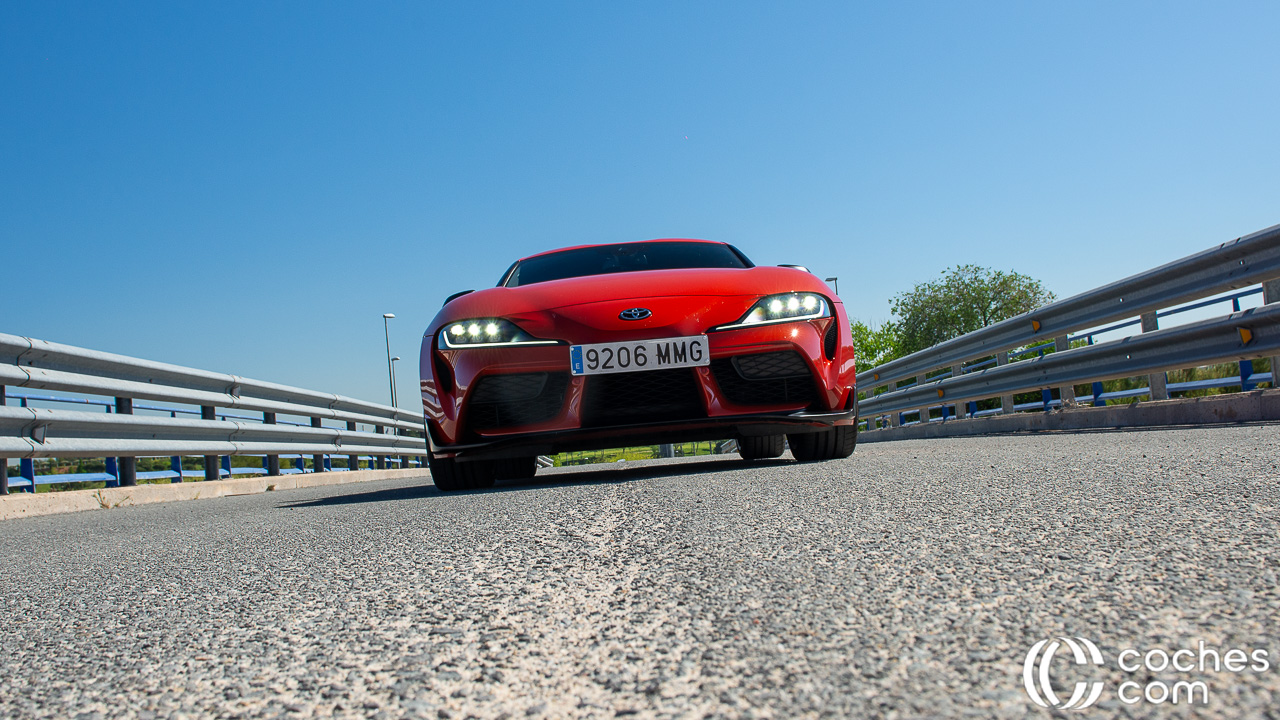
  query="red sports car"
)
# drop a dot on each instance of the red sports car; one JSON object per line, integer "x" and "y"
{"x": 606, "y": 346}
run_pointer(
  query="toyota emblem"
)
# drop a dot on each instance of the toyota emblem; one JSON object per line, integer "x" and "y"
{"x": 635, "y": 314}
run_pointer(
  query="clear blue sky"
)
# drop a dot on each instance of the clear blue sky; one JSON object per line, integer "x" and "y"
{"x": 247, "y": 187}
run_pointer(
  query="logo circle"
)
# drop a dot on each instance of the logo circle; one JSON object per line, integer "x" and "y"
{"x": 635, "y": 314}
{"x": 1035, "y": 672}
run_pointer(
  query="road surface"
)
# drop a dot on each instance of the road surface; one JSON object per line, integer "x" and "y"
{"x": 907, "y": 581}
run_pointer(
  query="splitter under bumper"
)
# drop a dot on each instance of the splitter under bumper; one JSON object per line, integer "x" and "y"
{"x": 693, "y": 430}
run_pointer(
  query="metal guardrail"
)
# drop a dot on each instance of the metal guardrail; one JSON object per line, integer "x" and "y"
{"x": 29, "y": 433}
{"x": 1240, "y": 336}
{"x": 38, "y": 364}
{"x": 1248, "y": 260}
{"x": 1100, "y": 397}
{"x": 1202, "y": 343}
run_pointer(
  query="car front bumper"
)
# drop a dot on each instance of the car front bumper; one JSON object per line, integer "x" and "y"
{"x": 453, "y": 431}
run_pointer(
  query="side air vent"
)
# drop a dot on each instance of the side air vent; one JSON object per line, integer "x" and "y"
{"x": 444, "y": 373}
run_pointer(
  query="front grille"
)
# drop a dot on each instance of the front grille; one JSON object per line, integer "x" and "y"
{"x": 518, "y": 399}
{"x": 765, "y": 379}
{"x": 639, "y": 397}
{"x": 830, "y": 340}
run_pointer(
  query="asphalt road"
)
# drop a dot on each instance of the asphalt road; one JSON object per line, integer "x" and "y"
{"x": 907, "y": 581}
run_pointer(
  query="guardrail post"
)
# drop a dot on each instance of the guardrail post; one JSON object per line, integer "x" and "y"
{"x": 1246, "y": 371}
{"x": 27, "y": 469}
{"x": 273, "y": 461}
{"x": 957, "y": 371}
{"x": 175, "y": 461}
{"x": 210, "y": 461}
{"x": 1271, "y": 294}
{"x": 1066, "y": 393}
{"x": 4, "y": 462}
{"x": 1246, "y": 366}
{"x": 113, "y": 470}
{"x": 894, "y": 419}
{"x": 353, "y": 461}
{"x": 128, "y": 465}
{"x": 1157, "y": 382}
{"x": 381, "y": 459}
{"x": 317, "y": 461}
{"x": 1006, "y": 401}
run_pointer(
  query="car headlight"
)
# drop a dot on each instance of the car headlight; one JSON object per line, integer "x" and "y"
{"x": 486, "y": 332}
{"x": 783, "y": 307}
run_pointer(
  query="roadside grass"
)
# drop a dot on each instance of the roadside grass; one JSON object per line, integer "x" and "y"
{"x": 643, "y": 452}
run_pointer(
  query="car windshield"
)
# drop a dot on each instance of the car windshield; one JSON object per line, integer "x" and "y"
{"x": 631, "y": 257}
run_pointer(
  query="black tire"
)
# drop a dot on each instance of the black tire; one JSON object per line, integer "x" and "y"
{"x": 517, "y": 468}
{"x": 838, "y": 442}
{"x": 762, "y": 447}
{"x": 450, "y": 475}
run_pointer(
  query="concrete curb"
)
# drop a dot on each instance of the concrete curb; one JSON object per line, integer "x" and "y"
{"x": 1252, "y": 406}
{"x": 21, "y": 504}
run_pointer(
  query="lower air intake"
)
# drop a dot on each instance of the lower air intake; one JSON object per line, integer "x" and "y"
{"x": 775, "y": 378}
{"x": 640, "y": 397}
{"x": 503, "y": 401}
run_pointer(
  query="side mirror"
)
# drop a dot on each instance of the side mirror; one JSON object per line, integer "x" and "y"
{"x": 797, "y": 267}
{"x": 455, "y": 295}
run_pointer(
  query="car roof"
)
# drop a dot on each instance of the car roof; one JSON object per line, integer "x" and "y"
{"x": 633, "y": 242}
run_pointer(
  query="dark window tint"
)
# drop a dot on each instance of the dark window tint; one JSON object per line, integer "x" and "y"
{"x": 631, "y": 257}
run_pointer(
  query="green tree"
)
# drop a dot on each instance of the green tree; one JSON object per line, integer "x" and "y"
{"x": 875, "y": 345}
{"x": 966, "y": 298}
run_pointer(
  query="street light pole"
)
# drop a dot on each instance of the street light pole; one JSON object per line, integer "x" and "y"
{"x": 394, "y": 401}
{"x": 835, "y": 284}
{"x": 391, "y": 374}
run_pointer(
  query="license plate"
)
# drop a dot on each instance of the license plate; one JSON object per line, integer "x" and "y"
{"x": 637, "y": 355}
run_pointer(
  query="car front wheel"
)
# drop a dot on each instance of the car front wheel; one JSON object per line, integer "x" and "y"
{"x": 517, "y": 468}
{"x": 762, "y": 447}
{"x": 838, "y": 442}
{"x": 450, "y": 475}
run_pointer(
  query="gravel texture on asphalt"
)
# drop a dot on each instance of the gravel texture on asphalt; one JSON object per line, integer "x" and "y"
{"x": 907, "y": 581}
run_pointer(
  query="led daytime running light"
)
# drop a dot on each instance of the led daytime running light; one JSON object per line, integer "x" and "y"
{"x": 784, "y": 307}
{"x": 486, "y": 332}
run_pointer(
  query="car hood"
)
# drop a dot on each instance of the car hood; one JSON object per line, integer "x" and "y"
{"x": 591, "y": 300}
{"x": 555, "y": 294}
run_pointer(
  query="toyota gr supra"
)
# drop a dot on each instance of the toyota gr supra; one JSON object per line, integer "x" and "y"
{"x": 606, "y": 346}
